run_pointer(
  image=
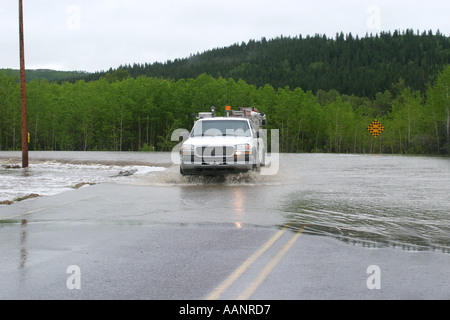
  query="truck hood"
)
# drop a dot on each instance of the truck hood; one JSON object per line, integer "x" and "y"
{"x": 217, "y": 141}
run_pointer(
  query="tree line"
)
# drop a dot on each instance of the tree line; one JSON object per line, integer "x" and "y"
{"x": 121, "y": 113}
{"x": 50, "y": 75}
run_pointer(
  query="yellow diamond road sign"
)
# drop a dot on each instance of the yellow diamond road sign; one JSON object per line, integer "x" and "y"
{"x": 375, "y": 128}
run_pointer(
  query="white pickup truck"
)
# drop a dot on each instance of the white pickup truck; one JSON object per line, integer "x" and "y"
{"x": 222, "y": 145}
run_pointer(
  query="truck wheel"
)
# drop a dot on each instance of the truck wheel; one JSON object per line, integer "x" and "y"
{"x": 256, "y": 167}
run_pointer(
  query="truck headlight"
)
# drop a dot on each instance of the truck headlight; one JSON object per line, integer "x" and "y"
{"x": 186, "y": 149}
{"x": 242, "y": 149}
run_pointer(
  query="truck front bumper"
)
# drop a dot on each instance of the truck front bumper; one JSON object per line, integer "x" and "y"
{"x": 191, "y": 166}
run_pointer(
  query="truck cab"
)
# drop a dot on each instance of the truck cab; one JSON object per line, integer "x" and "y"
{"x": 223, "y": 145}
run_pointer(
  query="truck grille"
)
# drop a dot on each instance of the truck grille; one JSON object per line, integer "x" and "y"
{"x": 214, "y": 151}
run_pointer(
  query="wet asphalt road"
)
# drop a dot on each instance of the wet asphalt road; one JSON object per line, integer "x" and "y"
{"x": 124, "y": 241}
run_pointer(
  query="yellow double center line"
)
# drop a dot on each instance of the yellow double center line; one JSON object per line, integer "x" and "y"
{"x": 247, "y": 263}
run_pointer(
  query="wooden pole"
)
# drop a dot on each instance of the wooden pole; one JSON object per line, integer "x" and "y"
{"x": 23, "y": 97}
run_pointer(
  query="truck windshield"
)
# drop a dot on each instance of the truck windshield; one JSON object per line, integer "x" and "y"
{"x": 237, "y": 128}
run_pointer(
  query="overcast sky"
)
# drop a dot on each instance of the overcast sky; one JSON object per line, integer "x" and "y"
{"x": 94, "y": 35}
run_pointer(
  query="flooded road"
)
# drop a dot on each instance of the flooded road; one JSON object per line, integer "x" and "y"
{"x": 399, "y": 203}
{"x": 368, "y": 200}
{"x": 372, "y": 200}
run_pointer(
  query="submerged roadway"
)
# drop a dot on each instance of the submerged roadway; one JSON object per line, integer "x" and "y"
{"x": 124, "y": 241}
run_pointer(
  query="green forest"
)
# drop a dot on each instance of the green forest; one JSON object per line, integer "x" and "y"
{"x": 124, "y": 111}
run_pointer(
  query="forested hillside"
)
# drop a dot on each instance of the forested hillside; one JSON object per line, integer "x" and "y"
{"x": 351, "y": 65}
{"x": 123, "y": 113}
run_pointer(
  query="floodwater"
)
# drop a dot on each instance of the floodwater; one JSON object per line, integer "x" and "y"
{"x": 53, "y": 173}
{"x": 366, "y": 200}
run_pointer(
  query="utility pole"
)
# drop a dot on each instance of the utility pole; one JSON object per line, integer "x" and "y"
{"x": 23, "y": 97}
